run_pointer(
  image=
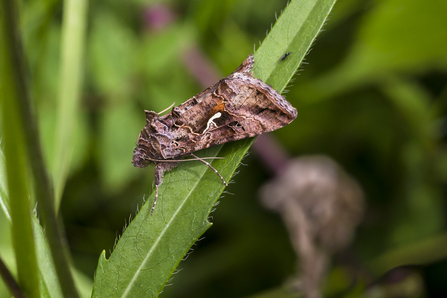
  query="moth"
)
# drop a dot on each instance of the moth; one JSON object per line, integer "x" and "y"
{"x": 236, "y": 107}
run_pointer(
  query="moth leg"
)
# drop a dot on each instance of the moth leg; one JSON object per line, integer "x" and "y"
{"x": 158, "y": 181}
{"x": 211, "y": 167}
{"x": 155, "y": 200}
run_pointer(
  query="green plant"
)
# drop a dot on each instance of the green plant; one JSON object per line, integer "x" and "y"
{"x": 372, "y": 96}
{"x": 151, "y": 246}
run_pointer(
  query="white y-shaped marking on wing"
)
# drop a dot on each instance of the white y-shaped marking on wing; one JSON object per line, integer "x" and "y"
{"x": 217, "y": 115}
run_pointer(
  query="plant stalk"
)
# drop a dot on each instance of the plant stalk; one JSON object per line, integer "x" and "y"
{"x": 42, "y": 185}
{"x": 10, "y": 282}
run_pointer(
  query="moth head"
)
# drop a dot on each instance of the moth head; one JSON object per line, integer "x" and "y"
{"x": 140, "y": 158}
{"x": 150, "y": 116}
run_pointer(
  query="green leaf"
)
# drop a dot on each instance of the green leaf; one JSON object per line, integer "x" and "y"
{"x": 11, "y": 91}
{"x": 420, "y": 252}
{"x": 395, "y": 35}
{"x": 111, "y": 47}
{"x": 388, "y": 41}
{"x": 118, "y": 173}
{"x": 4, "y": 202}
{"x": 152, "y": 246}
{"x": 48, "y": 281}
{"x": 72, "y": 48}
{"x": 20, "y": 128}
{"x": 293, "y": 33}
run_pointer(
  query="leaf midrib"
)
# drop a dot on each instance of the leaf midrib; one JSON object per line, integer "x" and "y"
{"x": 174, "y": 216}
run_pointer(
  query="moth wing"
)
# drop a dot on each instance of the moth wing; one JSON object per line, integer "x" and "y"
{"x": 249, "y": 108}
{"x": 254, "y": 99}
{"x": 204, "y": 102}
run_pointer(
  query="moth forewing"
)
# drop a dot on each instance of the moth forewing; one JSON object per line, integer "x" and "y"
{"x": 237, "y": 107}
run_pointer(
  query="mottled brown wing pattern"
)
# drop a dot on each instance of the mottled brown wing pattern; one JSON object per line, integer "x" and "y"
{"x": 237, "y": 107}
{"x": 234, "y": 108}
{"x": 243, "y": 114}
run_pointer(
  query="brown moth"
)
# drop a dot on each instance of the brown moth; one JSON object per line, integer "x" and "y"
{"x": 237, "y": 107}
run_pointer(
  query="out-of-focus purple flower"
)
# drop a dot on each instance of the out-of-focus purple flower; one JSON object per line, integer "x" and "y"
{"x": 158, "y": 16}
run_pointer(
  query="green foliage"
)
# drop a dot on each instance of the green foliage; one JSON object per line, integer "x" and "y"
{"x": 11, "y": 89}
{"x": 295, "y": 31}
{"x": 20, "y": 213}
{"x": 152, "y": 246}
{"x": 373, "y": 97}
{"x": 72, "y": 48}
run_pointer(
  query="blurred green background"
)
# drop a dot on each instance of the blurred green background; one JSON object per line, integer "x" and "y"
{"x": 373, "y": 96}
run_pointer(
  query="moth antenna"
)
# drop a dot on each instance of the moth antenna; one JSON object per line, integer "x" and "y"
{"x": 211, "y": 167}
{"x": 209, "y": 157}
{"x": 180, "y": 160}
{"x": 168, "y": 108}
{"x": 155, "y": 200}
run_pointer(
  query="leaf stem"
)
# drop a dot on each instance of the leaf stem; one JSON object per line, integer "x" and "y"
{"x": 9, "y": 280}
{"x": 42, "y": 185}
{"x": 72, "y": 46}
{"x": 15, "y": 160}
